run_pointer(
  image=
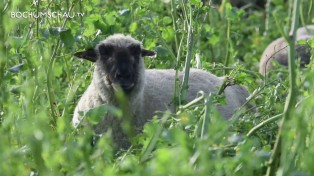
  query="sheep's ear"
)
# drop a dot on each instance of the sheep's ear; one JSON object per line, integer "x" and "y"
{"x": 89, "y": 54}
{"x": 145, "y": 52}
{"x": 105, "y": 50}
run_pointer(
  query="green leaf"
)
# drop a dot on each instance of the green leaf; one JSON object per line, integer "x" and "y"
{"x": 95, "y": 114}
{"x": 311, "y": 43}
{"x": 133, "y": 27}
{"x": 16, "y": 68}
{"x": 166, "y": 20}
{"x": 56, "y": 30}
{"x": 214, "y": 39}
{"x": 110, "y": 18}
{"x": 162, "y": 51}
{"x": 233, "y": 14}
{"x": 168, "y": 34}
{"x": 197, "y": 3}
{"x": 58, "y": 70}
{"x": 16, "y": 42}
{"x": 67, "y": 38}
{"x": 302, "y": 42}
{"x": 89, "y": 30}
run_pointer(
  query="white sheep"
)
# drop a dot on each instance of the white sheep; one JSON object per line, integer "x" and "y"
{"x": 119, "y": 63}
{"x": 278, "y": 51}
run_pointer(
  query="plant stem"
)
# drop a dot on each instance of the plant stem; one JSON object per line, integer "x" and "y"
{"x": 262, "y": 124}
{"x": 153, "y": 141}
{"x": 174, "y": 17}
{"x": 228, "y": 47}
{"x": 206, "y": 118}
{"x": 290, "y": 101}
{"x": 185, "y": 84}
{"x": 256, "y": 74}
{"x": 310, "y": 11}
{"x": 3, "y": 88}
{"x": 191, "y": 103}
{"x": 164, "y": 43}
{"x": 37, "y": 20}
{"x": 177, "y": 100}
{"x": 267, "y": 11}
{"x": 223, "y": 86}
{"x": 52, "y": 100}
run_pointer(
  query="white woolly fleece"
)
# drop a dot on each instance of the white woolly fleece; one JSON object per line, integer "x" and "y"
{"x": 120, "y": 40}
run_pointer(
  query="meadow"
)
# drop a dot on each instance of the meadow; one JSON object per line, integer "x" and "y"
{"x": 41, "y": 81}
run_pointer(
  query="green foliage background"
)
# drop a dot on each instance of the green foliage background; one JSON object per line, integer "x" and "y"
{"x": 41, "y": 83}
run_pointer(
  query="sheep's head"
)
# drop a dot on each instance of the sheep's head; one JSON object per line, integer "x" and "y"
{"x": 119, "y": 57}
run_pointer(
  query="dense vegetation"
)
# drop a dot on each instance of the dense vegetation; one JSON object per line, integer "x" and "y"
{"x": 41, "y": 82}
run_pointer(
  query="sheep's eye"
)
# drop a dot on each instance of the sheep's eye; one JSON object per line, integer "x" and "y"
{"x": 135, "y": 50}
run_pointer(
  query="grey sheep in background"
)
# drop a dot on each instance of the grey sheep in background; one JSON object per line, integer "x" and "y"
{"x": 119, "y": 63}
{"x": 244, "y": 4}
{"x": 278, "y": 51}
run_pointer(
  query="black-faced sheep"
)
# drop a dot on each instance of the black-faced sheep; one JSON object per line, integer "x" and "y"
{"x": 278, "y": 51}
{"x": 119, "y": 64}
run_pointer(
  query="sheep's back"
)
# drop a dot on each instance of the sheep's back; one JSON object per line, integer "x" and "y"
{"x": 278, "y": 50}
{"x": 159, "y": 91}
{"x": 305, "y": 33}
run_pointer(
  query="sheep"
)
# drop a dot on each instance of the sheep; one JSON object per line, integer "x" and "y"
{"x": 119, "y": 64}
{"x": 278, "y": 51}
{"x": 160, "y": 85}
{"x": 241, "y": 3}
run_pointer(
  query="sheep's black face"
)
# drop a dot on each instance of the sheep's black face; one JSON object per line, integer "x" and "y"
{"x": 121, "y": 65}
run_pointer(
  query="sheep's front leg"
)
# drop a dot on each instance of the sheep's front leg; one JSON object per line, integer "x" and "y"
{"x": 114, "y": 124}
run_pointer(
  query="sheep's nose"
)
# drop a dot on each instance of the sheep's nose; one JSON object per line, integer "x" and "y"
{"x": 118, "y": 75}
